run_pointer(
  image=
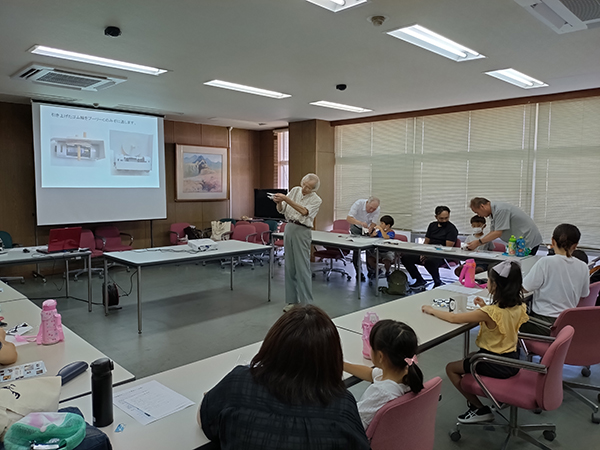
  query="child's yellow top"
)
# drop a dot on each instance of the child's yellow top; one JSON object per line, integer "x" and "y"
{"x": 503, "y": 338}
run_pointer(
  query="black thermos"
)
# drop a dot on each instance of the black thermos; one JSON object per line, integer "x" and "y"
{"x": 102, "y": 398}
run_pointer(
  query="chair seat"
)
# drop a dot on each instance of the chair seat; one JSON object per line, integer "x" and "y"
{"x": 537, "y": 348}
{"x": 96, "y": 252}
{"x": 515, "y": 390}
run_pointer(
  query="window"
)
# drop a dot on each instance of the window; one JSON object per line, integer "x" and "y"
{"x": 282, "y": 159}
{"x": 541, "y": 157}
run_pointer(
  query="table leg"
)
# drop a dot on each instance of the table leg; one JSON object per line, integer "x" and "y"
{"x": 376, "y": 271}
{"x": 467, "y": 343}
{"x": 231, "y": 275}
{"x": 139, "y": 298}
{"x": 358, "y": 272}
{"x": 67, "y": 274}
{"x": 89, "y": 264}
{"x": 270, "y": 272}
{"x": 105, "y": 287}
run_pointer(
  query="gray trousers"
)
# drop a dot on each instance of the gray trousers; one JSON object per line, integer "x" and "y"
{"x": 298, "y": 276}
{"x": 356, "y": 262}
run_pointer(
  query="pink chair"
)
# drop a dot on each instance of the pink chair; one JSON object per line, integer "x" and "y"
{"x": 263, "y": 237}
{"x": 401, "y": 237}
{"x": 499, "y": 247}
{"x": 87, "y": 240}
{"x": 245, "y": 233}
{"x": 590, "y": 300}
{"x": 278, "y": 244}
{"x": 333, "y": 254}
{"x": 407, "y": 422}
{"x": 341, "y": 224}
{"x": 584, "y": 349}
{"x": 536, "y": 386}
{"x": 176, "y": 234}
{"x": 242, "y": 222}
{"x": 108, "y": 239}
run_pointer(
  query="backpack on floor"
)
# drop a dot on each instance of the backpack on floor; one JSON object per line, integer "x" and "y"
{"x": 113, "y": 294}
{"x": 192, "y": 233}
{"x": 397, "y": 282}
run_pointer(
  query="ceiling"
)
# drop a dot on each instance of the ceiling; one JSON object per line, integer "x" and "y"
{"x": 291, "y": 46}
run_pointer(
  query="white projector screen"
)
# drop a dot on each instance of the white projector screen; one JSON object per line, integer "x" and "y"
{"x": 97, "y": 166}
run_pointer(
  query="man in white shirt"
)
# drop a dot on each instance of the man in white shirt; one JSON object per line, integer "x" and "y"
{"x": 300, "y": 208}
{"x": 364, "y": 213}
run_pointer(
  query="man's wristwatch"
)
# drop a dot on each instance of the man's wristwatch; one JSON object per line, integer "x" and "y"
{"x": 480, "y": 241}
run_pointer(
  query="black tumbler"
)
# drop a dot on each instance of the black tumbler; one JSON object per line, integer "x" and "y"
{"x": 102, "y": 398}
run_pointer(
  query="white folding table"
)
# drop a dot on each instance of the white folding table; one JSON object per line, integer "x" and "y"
{"x": 58, "y": 355}
{"x": 18, "y": 256}
{"x": 181, "y": 254}
{"x": 8, "y": 294}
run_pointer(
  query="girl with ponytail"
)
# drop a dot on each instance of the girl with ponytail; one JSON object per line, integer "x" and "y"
{"x": 558, "y": 282}
{"x": 393, "y": 352}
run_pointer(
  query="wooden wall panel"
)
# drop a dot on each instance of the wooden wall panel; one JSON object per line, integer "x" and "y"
{"x": 17, "y": 187}
{"x": 267, "y": 159}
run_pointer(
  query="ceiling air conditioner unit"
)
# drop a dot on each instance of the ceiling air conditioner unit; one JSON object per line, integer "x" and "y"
{"x": 54, "y": 76}
{"x": 565, "y": 16}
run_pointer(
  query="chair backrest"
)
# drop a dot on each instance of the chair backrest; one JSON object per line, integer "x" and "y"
{"x": 549, "y": 389}
{"x": 499, "y": 247}
{"x": 282, "y": 227}
{"x": 87, "y": 239}
{"x": 241, "y": 232}
{"x": 7, "y": 241}
{"x": 242, "y": 222}
{"x": 584, "y": 349}
{"x": 340, "y": 231}
{"x": 457, "y": 243}
{"x": 261, "y": 227}
{"x": 590, "y": 300}
{"x": 407, "y": 422}
{"x": 341, "y": 224}
{"x": 401, "y": 237}
{"x": 177, "y": 228}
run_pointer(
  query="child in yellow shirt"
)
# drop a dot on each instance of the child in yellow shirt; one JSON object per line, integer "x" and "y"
{"x": 498, "y": 333}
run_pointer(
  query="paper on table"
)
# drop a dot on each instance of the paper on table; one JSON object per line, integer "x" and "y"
{"x": 471, "y": 301}
{"x": 150, "y": 401}
{"x": 459, "y": 288}
{"x": 485, "y": 254}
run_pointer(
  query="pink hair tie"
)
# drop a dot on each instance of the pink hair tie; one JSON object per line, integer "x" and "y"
{"x": 412, "y": 360}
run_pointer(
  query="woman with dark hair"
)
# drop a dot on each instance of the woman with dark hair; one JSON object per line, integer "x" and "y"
{"x": 291, "y": 397}
{"x": 440, "y": 232}
{"x": 558, "y": 282}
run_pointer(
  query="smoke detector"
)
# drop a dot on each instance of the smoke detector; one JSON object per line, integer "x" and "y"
{"x": 377, "y": 20}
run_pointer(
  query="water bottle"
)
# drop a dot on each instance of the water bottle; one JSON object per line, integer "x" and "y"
{"x": 511, "y": 248}
{"x": 370, "y": 319}
{"x": 102, "y": 398}
{"x": 467, "y": 274}
{"x": 51, "y": 330}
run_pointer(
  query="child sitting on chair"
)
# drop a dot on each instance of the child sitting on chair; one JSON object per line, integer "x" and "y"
{"x": 381, "y": 231}
{"x": 477, "y": 226}
{"x": 8, "y": 352}
{"x": 499, "y": 328}
{"x": 393, "y": 352}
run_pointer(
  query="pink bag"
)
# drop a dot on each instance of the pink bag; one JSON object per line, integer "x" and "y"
{"x": 51, "y": 330}
{"x": 368, "y": 322}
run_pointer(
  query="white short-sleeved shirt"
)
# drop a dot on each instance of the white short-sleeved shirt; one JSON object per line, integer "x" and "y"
{"x": 377, "y": 395}
{"x": 557, "y": 283}
{"x": 483, "y": 247}
{"x": 359, "y": 212}
{"x": 511, "y": 220}
{"x": 311, "y": 201}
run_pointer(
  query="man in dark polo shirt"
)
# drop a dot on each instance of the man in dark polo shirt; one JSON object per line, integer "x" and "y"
{"x": 440, "y": 232}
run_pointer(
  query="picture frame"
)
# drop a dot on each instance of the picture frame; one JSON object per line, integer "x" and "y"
{"x": 201, "y": 173}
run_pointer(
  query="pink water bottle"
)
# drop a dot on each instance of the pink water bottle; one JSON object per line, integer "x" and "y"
{"x": 51, "y": 330}
{"x": 370, "y": 319}
{"x": 467, "y": 274}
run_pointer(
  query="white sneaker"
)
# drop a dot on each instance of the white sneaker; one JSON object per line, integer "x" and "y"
{"x": 288, "y": 307}
{"x": 483, "y": 414}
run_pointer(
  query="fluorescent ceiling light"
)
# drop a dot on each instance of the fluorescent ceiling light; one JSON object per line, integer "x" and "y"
{"x": 246, "y": 89}
{"x": 89, "y": 59}
{"x": 517, "y": 78}
{"x": 337, "y": 5}
{"x": 332, "y": 105}
{"x": 427, "y": 39}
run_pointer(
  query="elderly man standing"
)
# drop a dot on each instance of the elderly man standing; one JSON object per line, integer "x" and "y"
{"x": 300, "y": 208}
{"x": 364, "y": 213}
{"x": 507, "y": 220}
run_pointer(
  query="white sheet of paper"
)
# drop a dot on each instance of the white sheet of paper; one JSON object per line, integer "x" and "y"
{"x": 485, "y": 254}
{"x": 150, "y": 402}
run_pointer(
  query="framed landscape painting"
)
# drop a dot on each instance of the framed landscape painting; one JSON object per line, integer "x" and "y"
{"x": 201, "y": 173}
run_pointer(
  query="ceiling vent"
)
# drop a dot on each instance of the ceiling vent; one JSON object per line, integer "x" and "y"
{"x": 53, "y": 76}
{"x": 565, "y": 16}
